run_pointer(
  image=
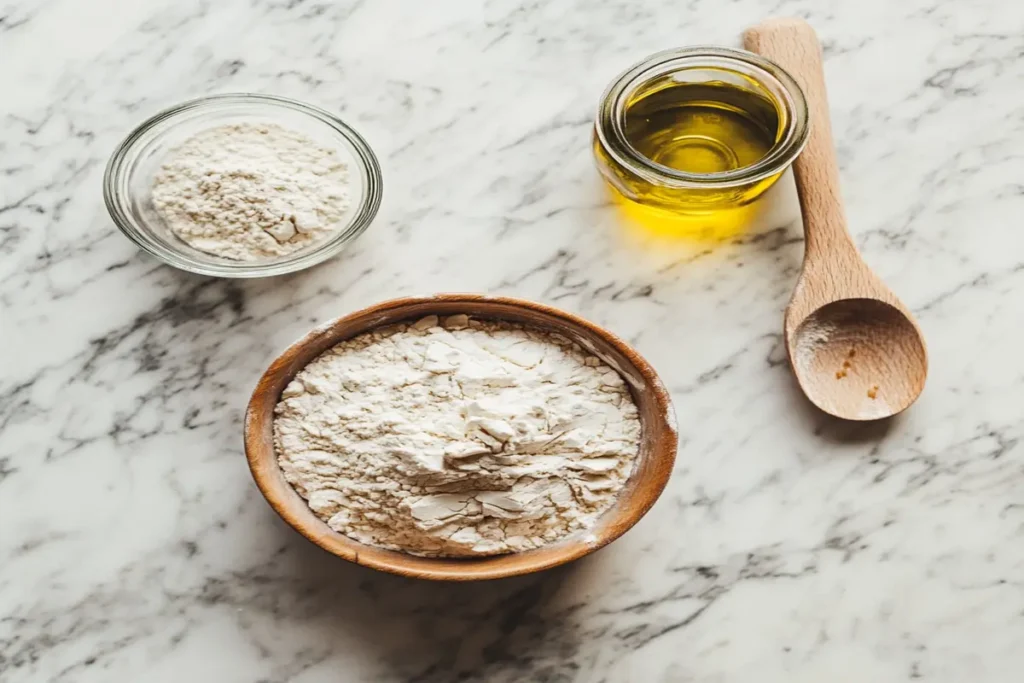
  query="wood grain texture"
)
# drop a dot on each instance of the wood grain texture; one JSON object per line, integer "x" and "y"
{"x": 648, "y": 480}
{"x": 838, "y": 305}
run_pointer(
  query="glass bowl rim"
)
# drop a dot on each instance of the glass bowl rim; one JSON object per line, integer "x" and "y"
{"x": 364, "y": 212}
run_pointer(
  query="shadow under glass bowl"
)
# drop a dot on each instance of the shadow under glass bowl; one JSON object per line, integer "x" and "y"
{"x": 129, "y": 177}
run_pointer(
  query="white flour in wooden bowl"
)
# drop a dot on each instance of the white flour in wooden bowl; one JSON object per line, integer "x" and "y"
{"x": 457, "y": 437}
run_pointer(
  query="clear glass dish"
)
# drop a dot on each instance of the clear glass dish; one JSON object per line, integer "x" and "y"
{"x": 646, "y": 182}
{"x": 129, "y": 177}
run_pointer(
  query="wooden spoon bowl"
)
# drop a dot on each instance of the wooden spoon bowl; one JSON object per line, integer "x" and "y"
{"x": 650, "y": 473}
{"x": 863, "y": 347}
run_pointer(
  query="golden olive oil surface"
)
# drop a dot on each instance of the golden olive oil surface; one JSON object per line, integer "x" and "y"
{"x": 709, "y": 127}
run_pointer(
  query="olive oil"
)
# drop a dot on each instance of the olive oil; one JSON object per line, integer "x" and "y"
{"x": 702, "y": 128}
{"x": 689, "y": 139}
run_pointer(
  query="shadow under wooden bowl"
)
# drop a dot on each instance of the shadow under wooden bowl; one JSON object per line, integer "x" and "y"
{"x": 648, "y": 479}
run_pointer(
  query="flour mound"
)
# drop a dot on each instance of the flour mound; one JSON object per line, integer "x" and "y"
{"x": 251, "y": 191}
{"x": 457, "y": 437}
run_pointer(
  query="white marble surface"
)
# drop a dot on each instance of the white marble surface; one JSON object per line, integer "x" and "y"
{"x": 133, "y": 545}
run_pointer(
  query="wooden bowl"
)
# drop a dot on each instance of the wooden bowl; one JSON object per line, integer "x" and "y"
{"x": 650, "y": 474}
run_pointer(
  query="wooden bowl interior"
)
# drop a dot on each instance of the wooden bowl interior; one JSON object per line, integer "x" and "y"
{"x": 649, "y": 477}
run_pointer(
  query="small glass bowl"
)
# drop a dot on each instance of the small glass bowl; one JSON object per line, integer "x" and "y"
{"x": 129, "y": 177}
{"x": 652, "y": 185}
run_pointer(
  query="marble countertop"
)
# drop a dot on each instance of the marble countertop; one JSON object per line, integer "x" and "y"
{"x": 787, "y": 547}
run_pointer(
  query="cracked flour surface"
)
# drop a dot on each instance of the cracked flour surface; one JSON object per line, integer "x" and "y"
{"x": 457, "y": 437}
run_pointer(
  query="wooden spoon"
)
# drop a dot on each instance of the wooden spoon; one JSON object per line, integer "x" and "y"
{"x": 856, "y": 350}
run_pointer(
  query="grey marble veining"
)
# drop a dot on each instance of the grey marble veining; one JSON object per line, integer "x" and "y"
{"x": 133, "y": 545}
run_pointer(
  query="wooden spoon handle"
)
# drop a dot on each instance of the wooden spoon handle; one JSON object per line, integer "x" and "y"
{"x": 793, "y": 45}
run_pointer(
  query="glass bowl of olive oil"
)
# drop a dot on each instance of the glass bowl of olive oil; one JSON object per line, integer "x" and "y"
{"x": 699, "y": 131}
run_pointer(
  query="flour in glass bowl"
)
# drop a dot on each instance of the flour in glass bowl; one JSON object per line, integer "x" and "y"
{"x": 251, "y": 191}
{"x": 457, "y": 437}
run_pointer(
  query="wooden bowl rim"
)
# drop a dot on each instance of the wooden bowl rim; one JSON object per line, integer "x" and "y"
{"x": 266, "y": 472}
